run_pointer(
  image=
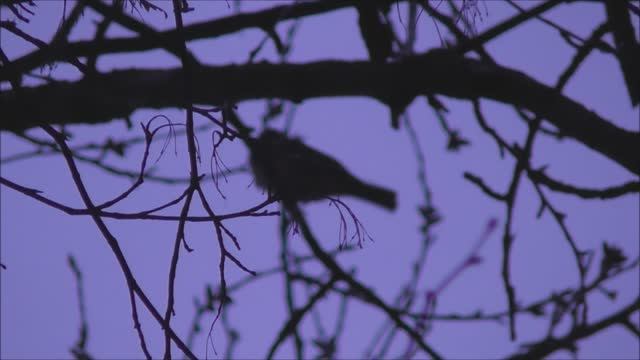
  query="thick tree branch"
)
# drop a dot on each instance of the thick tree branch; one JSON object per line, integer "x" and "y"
{"x": 627, "y": 46}
{"x": 265, "y": 20}
{"x": 119, "y": 93}
{"x": 170, "y": 39}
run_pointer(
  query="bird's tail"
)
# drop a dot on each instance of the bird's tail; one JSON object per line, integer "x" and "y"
{"x": 381, "y": 196}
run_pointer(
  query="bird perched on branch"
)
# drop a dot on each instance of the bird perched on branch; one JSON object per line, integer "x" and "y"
{"x": 298, "y": 173}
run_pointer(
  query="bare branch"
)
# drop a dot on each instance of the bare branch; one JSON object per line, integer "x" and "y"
{"x": 438, "y": 71}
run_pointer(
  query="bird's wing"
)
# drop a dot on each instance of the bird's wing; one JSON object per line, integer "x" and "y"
{"x": 312, "y": 161}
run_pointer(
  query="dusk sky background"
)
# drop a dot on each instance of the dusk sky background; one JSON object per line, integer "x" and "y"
{"x": 39, "y": 310}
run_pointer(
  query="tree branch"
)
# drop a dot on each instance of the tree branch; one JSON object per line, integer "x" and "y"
{"x": 627, "y": 46}
{"x": 356, "y": 286}
{"x": 119, "y": 93}
{"x": 170, "y": 38}
{"x": 546, "y": 347}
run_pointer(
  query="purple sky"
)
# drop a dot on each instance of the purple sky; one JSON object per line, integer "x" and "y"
{"x": 39, "y": 313}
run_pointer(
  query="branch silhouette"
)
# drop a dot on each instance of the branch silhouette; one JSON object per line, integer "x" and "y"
{"x": 438, "y": 71}
{"x": 292, "y": 173}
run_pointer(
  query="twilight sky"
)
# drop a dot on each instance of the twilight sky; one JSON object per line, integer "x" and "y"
{"x": 39, "y": 311}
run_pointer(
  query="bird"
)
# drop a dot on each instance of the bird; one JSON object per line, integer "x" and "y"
{"x": 295, "y": 172}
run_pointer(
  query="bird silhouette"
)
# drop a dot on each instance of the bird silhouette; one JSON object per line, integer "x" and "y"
{"x": 296, "y": 172}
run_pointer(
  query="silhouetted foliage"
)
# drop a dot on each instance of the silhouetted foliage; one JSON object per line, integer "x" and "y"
{"x": 395, "y": 73}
